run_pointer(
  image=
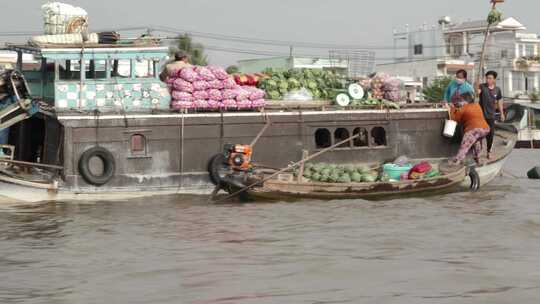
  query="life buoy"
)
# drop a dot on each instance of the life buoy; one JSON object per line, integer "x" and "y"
{"x": 475, "y": 180}
{"x": 109, "y": 166}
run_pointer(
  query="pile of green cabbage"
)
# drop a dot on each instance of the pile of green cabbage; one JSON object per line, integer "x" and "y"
{"x": 331, "y": 173}
{"x": 320, "y": 83}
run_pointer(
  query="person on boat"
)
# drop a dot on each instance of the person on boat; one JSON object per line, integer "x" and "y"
{"x": 491, "y": 101}
{"x": 181, "y": 60}
{"x": 476, "y": 128}
{"x": 457, "y": 88}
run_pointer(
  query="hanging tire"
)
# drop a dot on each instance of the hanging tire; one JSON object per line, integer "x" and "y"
{"x": 475, "y": 180}
{"x": 217, "y": 169}
{"x": 109, "y": 166}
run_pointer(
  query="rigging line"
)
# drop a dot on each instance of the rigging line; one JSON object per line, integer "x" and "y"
{"x": 269, "y": 54}
{"x": 266, "y": 53}
{"x": 278, "y": 42}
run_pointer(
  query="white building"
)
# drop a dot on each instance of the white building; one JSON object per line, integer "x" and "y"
{"x": 431, "y": 52}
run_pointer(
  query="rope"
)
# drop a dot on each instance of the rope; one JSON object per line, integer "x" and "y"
{"x": 181, "y": 148}
{"x": 96, "y": 119}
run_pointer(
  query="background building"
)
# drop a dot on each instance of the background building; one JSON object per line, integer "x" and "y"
{"x": 430, "y": 52}
{"x": 353, "y": 63}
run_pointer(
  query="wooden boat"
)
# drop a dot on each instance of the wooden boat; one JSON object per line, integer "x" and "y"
{"x": 452, "y": 178}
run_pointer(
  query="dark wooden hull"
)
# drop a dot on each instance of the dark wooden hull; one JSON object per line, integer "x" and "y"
{"x": 275, "y": 189}
{"x": 179, "y": 147}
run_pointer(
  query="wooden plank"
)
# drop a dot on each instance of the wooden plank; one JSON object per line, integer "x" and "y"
{"x": 52, "y": 186}
{"x": 28, "y": 164}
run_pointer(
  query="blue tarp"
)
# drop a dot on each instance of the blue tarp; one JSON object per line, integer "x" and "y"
{"x": 4, "y": 134}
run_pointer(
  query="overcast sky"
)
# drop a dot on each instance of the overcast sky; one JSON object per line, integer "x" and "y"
{"x": 344, "y": 22}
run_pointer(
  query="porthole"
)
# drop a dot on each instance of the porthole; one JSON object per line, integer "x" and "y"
{"x": 378, "y": 136}
{"x": 323, "y": 138}
{"x": 363, "y": 139}
{"x": 340, "y": 135}
{"x": 138, "y": 144}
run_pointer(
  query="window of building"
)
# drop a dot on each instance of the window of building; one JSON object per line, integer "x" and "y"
{"x": 378, "y": 136}
{"x": 323, "y": 138}
{"x": 419, "y": 49}
{"x": 362, "y": 140}
{"x": 529, "y": 50}
{"x": 340, "y": 135}
{"x": 504, "y": 54}
{"x": 138, "y": 144}
{"x": 518, "y": 81}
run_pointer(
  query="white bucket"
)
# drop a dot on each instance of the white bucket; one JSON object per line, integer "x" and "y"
{"x": 450, "y": 128}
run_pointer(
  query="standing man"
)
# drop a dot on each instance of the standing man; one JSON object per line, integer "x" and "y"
{"x": 491, "y": 100}
{"x": 181, "y": 60}
{"x": 457, "y": 88}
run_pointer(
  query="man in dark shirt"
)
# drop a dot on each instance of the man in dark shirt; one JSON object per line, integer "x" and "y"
{"x": 491, "y": 100}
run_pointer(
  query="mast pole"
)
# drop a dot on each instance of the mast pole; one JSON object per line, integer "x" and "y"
{"x": 484, "y": 46}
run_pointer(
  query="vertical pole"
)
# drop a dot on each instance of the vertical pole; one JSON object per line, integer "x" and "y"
{"x": 19, "y": 61}
{"x": 483, "y": 54}
{"x": 43, "y": 76}
{"x": 300, "y": 177}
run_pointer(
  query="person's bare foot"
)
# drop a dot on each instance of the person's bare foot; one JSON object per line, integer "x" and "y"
{"x": 489, "y": 156}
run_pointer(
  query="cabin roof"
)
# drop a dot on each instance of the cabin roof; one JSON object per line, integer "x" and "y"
{"x": 97, "y": 52}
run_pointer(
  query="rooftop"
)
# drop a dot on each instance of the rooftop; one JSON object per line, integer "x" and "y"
{"x": 508, "y": 24}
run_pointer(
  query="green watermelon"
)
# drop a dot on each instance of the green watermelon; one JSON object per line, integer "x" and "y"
{"x": 369, "y": 178}
{"x": 345, "y": 178}
{"x": 356, "y": 177}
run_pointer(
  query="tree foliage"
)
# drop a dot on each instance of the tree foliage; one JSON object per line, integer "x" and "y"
{"x": 194, "y": 50}
{"x": 435, "y": 91}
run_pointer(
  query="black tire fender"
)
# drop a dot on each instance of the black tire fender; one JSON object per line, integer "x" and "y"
{"x": 475, "y": 179}
{"x": 109, "y": 166}
{"x": 215, "y": 165}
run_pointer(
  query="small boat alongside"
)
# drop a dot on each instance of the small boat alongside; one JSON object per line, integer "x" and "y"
{"x": 291, "y": 184}
{"x": 284, "y": 188}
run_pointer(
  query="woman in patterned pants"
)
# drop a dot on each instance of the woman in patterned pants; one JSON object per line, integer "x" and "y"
{"x": 475, "y": 125}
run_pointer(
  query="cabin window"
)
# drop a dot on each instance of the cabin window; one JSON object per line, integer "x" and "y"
{"x": 121, "y": 68}
{"x": 138, "y": 144}
{"x": 323, "y": 138}
{"x": 340, "y": 135}
{"x": 378, "y": 136}
{"x": 362, "y": 140}
{"x": 69, "y": 69}
{"x": 96, "y": 69}
{"x": 145, "y": 69}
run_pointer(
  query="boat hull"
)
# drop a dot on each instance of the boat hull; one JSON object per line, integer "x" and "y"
{"x": 276, "y": 189}
{"x": 289, "y": 147}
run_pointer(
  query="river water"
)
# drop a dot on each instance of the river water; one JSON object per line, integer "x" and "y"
{"x": 459, "y": 248}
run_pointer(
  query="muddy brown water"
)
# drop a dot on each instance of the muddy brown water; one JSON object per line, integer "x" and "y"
{"x": 459, "y": 248}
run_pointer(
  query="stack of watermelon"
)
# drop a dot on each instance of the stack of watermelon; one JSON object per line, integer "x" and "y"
{"x": 211, "y": 88}
{"x": 331, "y": 173}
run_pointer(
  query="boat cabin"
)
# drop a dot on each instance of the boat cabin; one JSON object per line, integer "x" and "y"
{"x": 108, "y": 79}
